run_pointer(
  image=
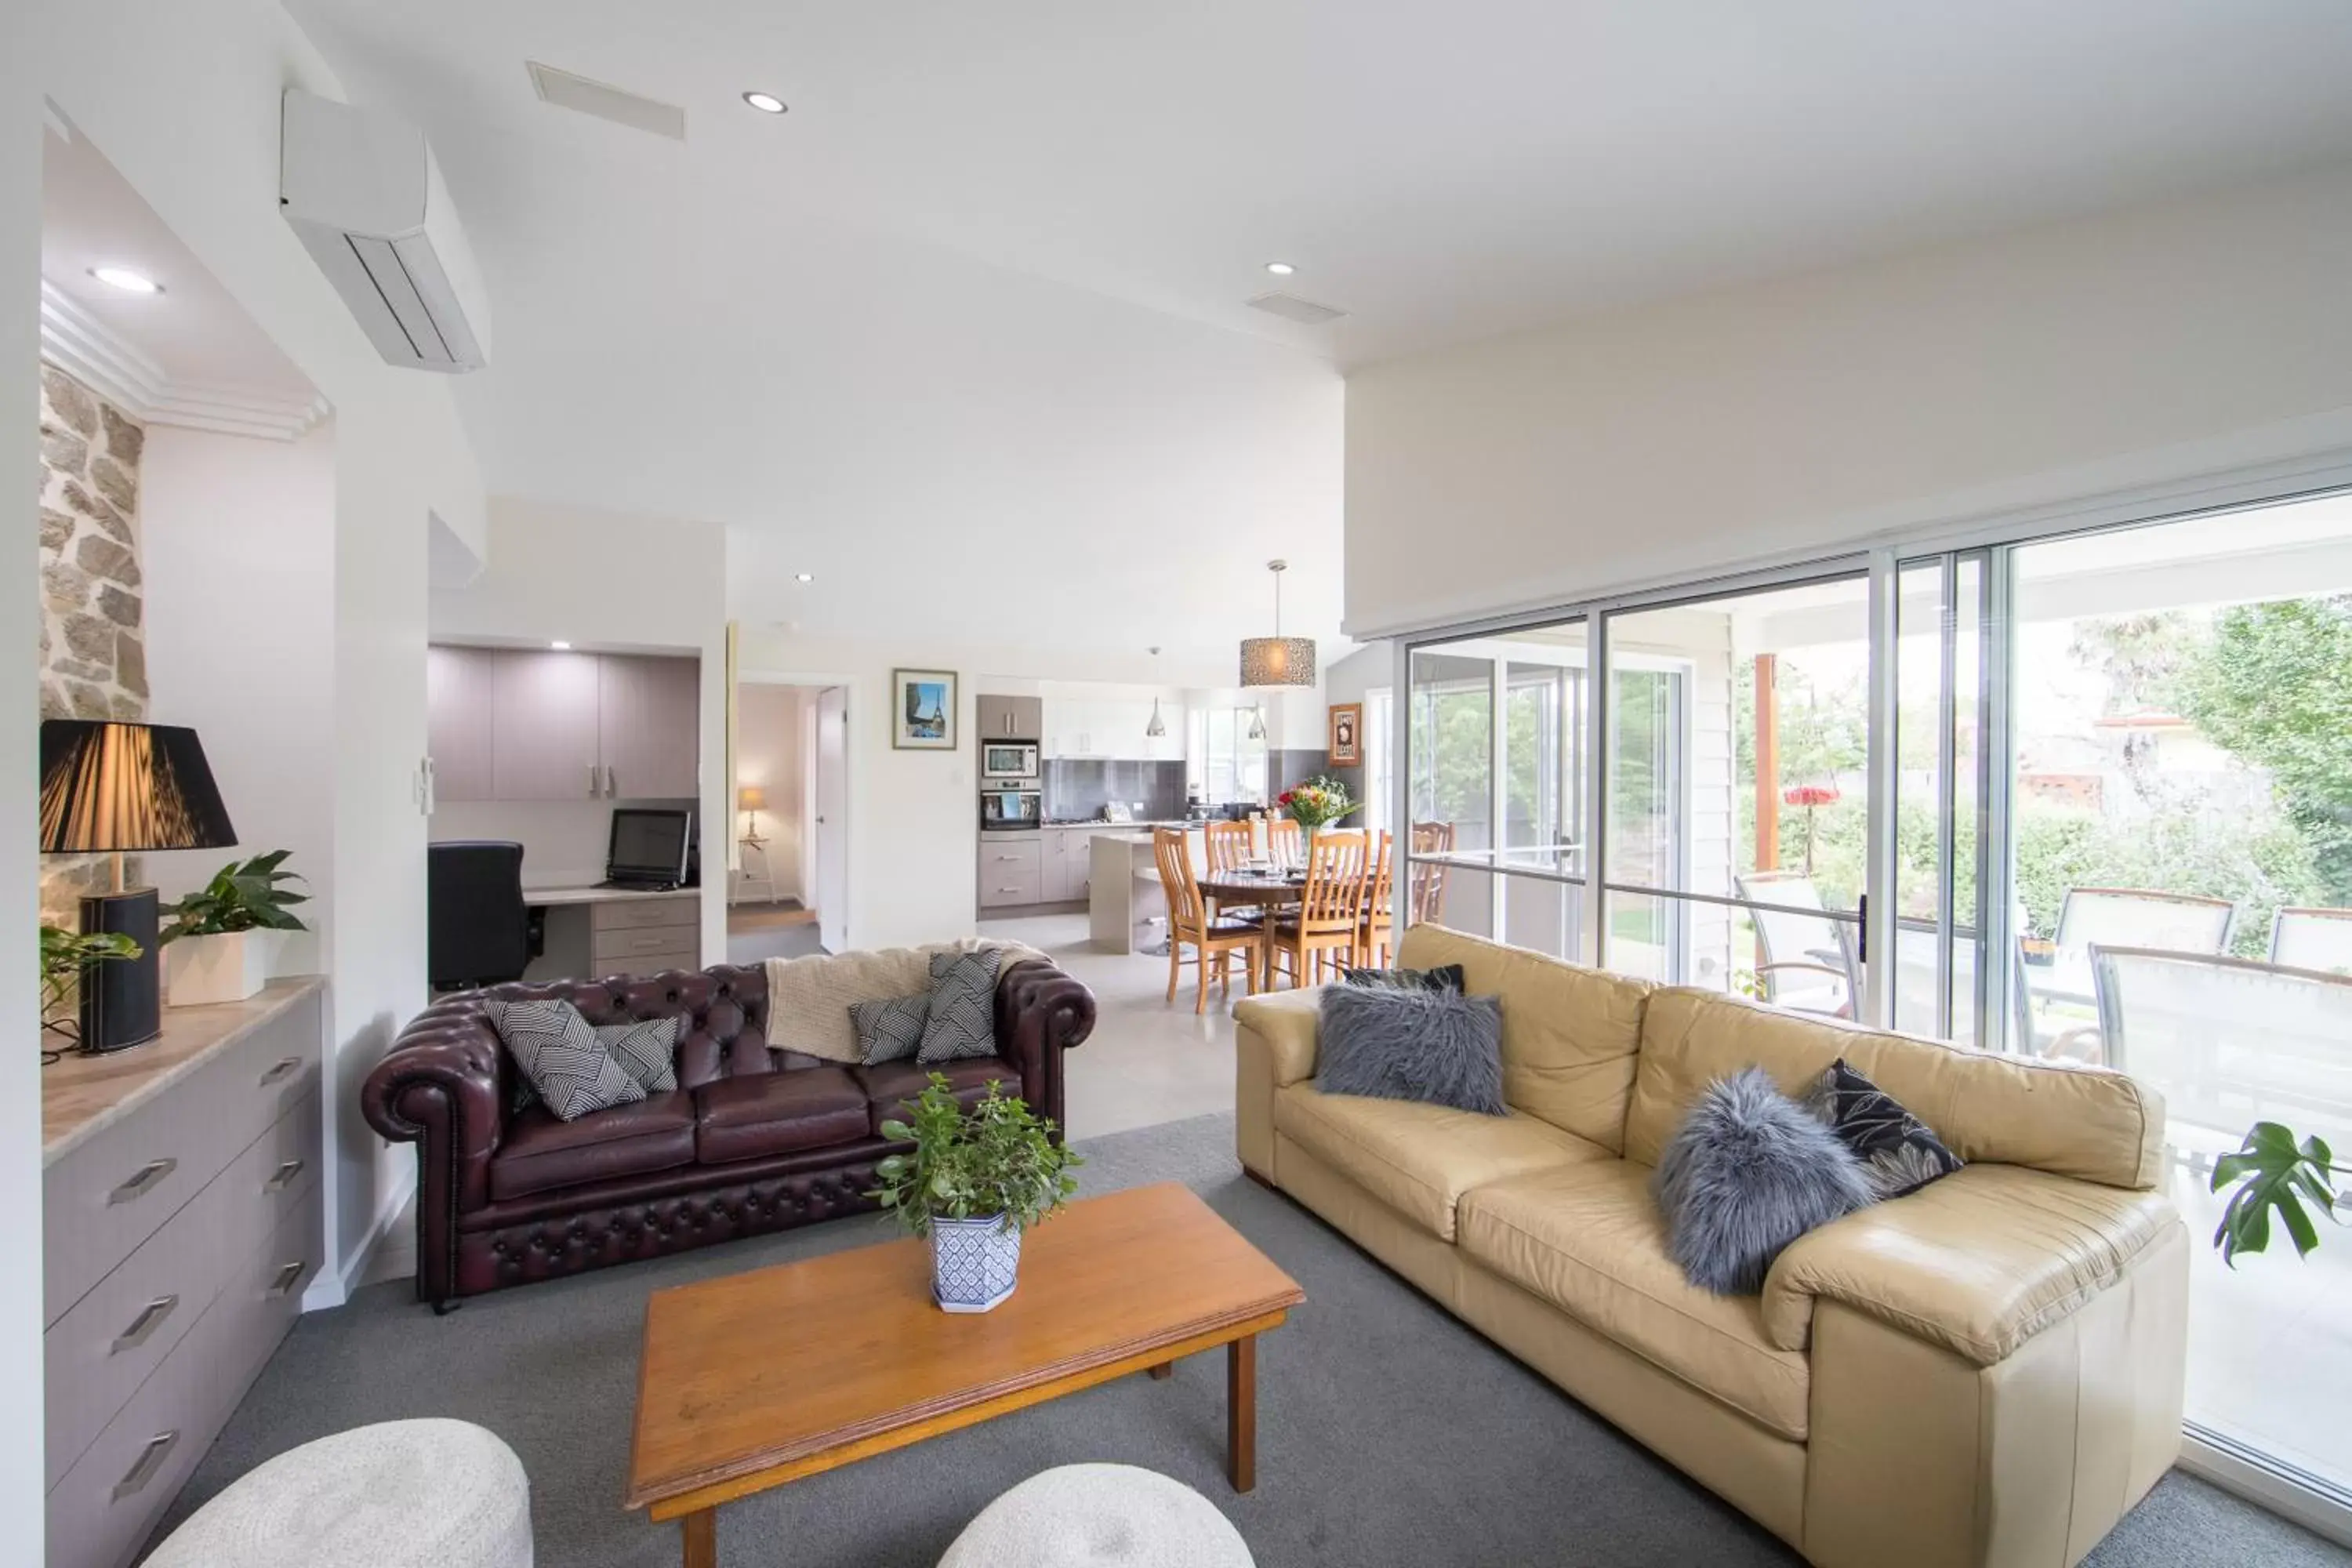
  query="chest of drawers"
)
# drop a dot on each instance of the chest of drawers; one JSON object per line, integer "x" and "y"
{"x": 180, "y": 1213}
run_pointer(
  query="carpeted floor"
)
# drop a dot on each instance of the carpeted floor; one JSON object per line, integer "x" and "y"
{"x": 1388, "y": 1433}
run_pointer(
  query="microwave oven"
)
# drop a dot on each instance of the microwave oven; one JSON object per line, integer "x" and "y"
{"x": 1009, "y": 808}
{"x": 1007, "y": 760}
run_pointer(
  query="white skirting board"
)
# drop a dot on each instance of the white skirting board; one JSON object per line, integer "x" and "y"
{"x": 332, "y": 1288}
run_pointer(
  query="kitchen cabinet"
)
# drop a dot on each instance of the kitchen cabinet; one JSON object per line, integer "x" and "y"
{"x": 527, "y": 725}
{"x": 544, "y": 709}
{"x": 459, "y": 723}
{"x": 1012, "y": 870}
{"x": 647, "y": 710}
{"x": 1112, "y": 729}
{"x": 1010, "y": 718}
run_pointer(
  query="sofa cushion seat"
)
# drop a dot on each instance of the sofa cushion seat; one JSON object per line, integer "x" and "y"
{"x": 889, "y": 1086}
{"x": 1421, "y": 1159}
{"x": 539, "y": 1153}
{"x": 755, "y": 1114}
{"x": 1589, "y": 1239}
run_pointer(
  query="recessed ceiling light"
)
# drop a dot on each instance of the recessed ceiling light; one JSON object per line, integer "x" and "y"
{"x": 766, "y": 102}
{"x": 1280, "y": 269}
{"x": 804, "y": 576}
{"x": 560, "y": 647}
{"x": 122, "y": 277}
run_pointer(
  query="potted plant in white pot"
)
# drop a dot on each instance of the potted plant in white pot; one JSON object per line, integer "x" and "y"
{"x": 976, "y": 1180}
{"x": 222, "y": 938}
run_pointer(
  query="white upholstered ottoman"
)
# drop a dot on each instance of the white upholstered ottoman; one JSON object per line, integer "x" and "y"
{"x": 400, "y": 1494}
{"x": 1096, "y": 1516}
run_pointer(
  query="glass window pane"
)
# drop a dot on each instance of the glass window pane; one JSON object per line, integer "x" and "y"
{"x": 1544, "y": 734}
{"x": 1453, "y": 701}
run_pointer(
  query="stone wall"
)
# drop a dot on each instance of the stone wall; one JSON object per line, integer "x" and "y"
{"x": 93, "y": 656}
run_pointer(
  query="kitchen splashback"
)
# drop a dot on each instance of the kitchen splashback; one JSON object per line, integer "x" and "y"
{"x": 1078, "y": 788}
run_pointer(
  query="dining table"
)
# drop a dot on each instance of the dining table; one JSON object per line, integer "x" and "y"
{"x": 1262, "y": 889}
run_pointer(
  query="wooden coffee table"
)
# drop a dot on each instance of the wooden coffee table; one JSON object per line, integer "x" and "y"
{"x": 750, "y": 1381}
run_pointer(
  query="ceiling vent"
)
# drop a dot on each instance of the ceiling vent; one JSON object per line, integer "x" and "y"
{"x": 565, "y": 90}
{"x": 1291, "y": 308}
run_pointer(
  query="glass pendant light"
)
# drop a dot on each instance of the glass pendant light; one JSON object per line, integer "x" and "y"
{"x": 1257, "y": 722}
{"x": 1277, "y": 660}
{"x": 1158, "y": 727}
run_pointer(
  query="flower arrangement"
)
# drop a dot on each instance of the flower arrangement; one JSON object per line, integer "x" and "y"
{"x": 1316, "y": 804}
{"x": 1811, "y": 797}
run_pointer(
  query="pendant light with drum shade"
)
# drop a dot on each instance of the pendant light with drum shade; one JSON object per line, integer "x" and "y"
{"x": 1277, "y": 660}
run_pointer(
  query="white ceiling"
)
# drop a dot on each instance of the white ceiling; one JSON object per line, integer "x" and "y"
{"x": 187, "y": 355}
{"x": 895, "y": 330}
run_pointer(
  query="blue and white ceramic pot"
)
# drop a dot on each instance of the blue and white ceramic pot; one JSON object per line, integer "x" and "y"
{"x": 973, "y": 1262}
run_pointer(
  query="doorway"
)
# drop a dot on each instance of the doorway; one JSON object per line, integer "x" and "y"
{"x": 786, "y": 893}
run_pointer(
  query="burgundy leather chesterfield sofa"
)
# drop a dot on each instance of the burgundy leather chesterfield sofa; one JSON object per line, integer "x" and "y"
{"x": 753, "y": 1140}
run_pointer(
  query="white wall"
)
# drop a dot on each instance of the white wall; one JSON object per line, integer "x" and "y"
{"x": 612, "y": 582}
{"x": 239, "y": 541}
{"x": 769, "y": 752}
{"x": 1653, "y": 444}
{"x": 21, "y": 1403}
{"x": 565, "y": 842}
{"x": 184, "y": 99}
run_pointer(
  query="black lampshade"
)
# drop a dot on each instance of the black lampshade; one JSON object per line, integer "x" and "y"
{"x": 113, "y": 786}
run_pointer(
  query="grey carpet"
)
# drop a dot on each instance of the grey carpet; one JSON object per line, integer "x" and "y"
{"x": 1388, "y": 1432}
{"x": 774, "y": 942}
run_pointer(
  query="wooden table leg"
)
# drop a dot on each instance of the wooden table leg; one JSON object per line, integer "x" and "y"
{"x": 701, "y": 1532}
{"x": 1166, "y": 1369}
{"x": 1241, "y": 1413}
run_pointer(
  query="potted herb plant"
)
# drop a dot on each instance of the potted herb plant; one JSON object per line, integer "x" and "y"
{"x": 66, "y": 957}
{"x": 975, "y": 1181}
{"x": 222, "y": 938}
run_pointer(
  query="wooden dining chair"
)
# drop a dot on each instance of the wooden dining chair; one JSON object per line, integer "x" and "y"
{"x": 1426, "y": 902}
{"x": 1330, "y": 913}
{"x": 1189, "y": 921}
{"x": 1377, "y": 933}
{"x": 1229, "y": 847}
{"x": 1282, "y": 841}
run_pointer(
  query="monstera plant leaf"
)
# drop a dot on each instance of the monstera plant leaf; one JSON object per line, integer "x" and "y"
{"x": 2273, "y": 1173}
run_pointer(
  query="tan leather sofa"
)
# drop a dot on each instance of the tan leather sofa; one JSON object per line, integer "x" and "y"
{"x": 1986, "y": 1371}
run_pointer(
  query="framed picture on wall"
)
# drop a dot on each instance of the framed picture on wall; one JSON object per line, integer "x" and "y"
{"x": 1347, "y": 734}
{"x": 923, "y": 710}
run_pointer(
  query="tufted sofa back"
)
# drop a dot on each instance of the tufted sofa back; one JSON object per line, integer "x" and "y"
{"x": 725, "y": 1010}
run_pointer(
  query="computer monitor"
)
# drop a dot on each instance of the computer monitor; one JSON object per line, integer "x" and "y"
{"x": 650, "y": 845}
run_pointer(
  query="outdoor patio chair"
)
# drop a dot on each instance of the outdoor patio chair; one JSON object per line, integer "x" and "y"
{"x": 2313, "y": 939}
{"x": 2113, "y": 916}
{"x": 1804, "y": 960}
{"x": 2227, "y": 1042}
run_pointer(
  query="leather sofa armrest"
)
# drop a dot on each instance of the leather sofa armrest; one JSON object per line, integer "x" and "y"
{"x": 1978, "y": 1262}
{"x": 1286, "y": 1022}
{"x": 1040, "y": 1012}
{"x": 438, "y": 1087}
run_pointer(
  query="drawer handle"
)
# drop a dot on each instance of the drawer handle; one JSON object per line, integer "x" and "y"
{"x": 279, "y": 1072}
{"x": 140, "y": 1185}
{"x": 151, "y": 1318}
{"x": 287, "y": 1275}
{"x": 151, "y": 1459}
{"x": 283, "y": 1177}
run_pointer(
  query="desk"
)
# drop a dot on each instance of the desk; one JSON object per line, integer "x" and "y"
{"x": 592, "y": 932}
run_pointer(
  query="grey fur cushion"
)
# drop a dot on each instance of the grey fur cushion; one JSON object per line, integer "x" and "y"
{"x": 1748, "y": 1172}
{"x": 1438, "y": 1047}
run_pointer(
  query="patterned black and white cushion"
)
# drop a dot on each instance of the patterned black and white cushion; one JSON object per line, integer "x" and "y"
{"x": 1899, "y": 1153}
{"x": 646, "y": 1051}
{"x": 891, "y": 1029}
{"x": 963, "y": 1019}
{"x": 558, "y": 1051}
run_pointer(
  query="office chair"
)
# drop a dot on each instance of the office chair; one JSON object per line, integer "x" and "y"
{"x": 478, "y": 928}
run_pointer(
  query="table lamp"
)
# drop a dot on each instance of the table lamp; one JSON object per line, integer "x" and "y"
{"x": 753, "y": 799}
{"x": 114, "y": 789}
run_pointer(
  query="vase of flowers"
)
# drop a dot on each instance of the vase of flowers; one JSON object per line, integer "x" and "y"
{"x": 974, "y": 1182}
{"x": 1316, "y": 806}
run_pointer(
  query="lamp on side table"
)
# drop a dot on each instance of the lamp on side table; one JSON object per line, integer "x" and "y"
{"x": 114, "y": 789}
{"x": 752, "y": 800}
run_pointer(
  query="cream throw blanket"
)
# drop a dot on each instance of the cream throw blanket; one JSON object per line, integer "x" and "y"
{"x": 809, "y": 998}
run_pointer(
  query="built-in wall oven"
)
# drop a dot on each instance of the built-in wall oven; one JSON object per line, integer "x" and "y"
{"x": 1007, "y": 760}
{"x": 1018, "y": 803}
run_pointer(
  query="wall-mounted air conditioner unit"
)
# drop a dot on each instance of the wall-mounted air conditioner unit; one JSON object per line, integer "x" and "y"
{"x": 361, "y": 189}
